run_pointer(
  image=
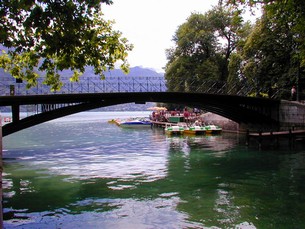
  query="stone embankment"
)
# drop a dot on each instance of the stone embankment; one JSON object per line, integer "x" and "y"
{"x": 226, "y": 124}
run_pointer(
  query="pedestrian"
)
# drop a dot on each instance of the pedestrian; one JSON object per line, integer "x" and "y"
{"x": 154, "y": 116}
{"x": 293, "y": 93}
{"x": 186, "y": 114}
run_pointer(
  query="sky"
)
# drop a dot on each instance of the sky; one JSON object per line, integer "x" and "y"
{"x": 150, "y": 26}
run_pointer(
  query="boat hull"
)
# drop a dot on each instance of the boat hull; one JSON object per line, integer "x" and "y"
{"x": 195, "y": 130}
{"x": 135, "y": 124}
{"x": 213, "y": 132}
{"x": 169, "y": 132}
{"x": 212, "y": 129}
{"x": 174, "y": 130}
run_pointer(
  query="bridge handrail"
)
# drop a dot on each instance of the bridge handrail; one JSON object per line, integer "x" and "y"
{"x": 8, "y": 86}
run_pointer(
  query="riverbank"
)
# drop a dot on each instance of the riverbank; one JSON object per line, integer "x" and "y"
{"x": 226, "y": 124}
{"x": 191, "y": 117}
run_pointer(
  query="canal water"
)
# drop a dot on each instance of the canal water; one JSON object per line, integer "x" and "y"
{"x": 82, "y": 172}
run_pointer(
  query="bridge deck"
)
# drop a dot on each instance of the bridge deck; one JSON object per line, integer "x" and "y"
{"x": 241, "y": 109}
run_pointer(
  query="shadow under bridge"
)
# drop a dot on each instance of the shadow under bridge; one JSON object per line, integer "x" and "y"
{"x": 243, "y": 110}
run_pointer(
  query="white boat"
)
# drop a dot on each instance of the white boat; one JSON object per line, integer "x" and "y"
{"x": 196, "y": 130}
{"x": 173, "y": 129}
{"x": 135, "y": 123}
{"x": 213, "y": 129}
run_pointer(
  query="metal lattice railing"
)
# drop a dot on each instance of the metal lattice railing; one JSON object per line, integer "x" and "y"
{"x": 8, "y": 86}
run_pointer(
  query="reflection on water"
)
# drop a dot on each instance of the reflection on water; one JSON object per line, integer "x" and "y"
{"x": 87, "y": 173}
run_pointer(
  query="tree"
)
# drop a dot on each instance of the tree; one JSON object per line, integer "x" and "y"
{"x": 268, "y": 56}
{"x": 274, "y": 53}
{"x": 236, "y": 79}
{"x": 53, "y": 35}
{"x": 195, "y": 48}
{"x": 228, "y": 25}
{"x": 203, "y": 46}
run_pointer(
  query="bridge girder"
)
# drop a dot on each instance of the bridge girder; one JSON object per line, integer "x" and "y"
{"x": 246, "y": 110}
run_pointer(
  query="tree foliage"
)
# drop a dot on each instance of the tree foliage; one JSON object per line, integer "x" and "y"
{"x": 53, "y": 35}
{"x": 203, "y": 46}
{"x": 274, "y": 53}
{"x": 268, "y": 56}
{"x": 195, "y": 49}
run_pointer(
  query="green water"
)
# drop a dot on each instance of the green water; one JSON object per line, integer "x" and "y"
{"x": 82, "y": 172}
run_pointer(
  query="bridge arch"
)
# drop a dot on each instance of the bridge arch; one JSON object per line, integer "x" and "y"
{"x": 243, "y": 110}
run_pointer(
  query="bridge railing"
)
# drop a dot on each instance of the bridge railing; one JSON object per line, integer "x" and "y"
{"x": 8, "y": 86}
{"x": 225, "y": 88}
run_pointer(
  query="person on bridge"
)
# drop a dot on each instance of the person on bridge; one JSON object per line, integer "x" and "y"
{"x": 293, "y": 93}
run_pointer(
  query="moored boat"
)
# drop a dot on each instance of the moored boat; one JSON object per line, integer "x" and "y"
{"x": 196, "y": 130}
{"x": 174, "y": 129}
{"x": 113, "y": 121}
{"x": 213, "y": 129}
{"x": 135, "y": 123}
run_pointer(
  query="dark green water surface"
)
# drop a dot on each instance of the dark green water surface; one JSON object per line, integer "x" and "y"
{"x": 82, "y": 172}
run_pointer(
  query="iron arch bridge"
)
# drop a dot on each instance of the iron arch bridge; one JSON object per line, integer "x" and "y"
{"x": 241, "y": 109}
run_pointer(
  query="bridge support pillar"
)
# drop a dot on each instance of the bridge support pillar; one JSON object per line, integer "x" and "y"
{"x": 291, "y": 115}
{"x": 243, "y": 127}
{"x": 15, "y": 113}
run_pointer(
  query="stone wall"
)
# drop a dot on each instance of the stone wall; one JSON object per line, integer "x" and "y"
{"x": 224, "y": 123}
{"x": 291, "y": 115}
